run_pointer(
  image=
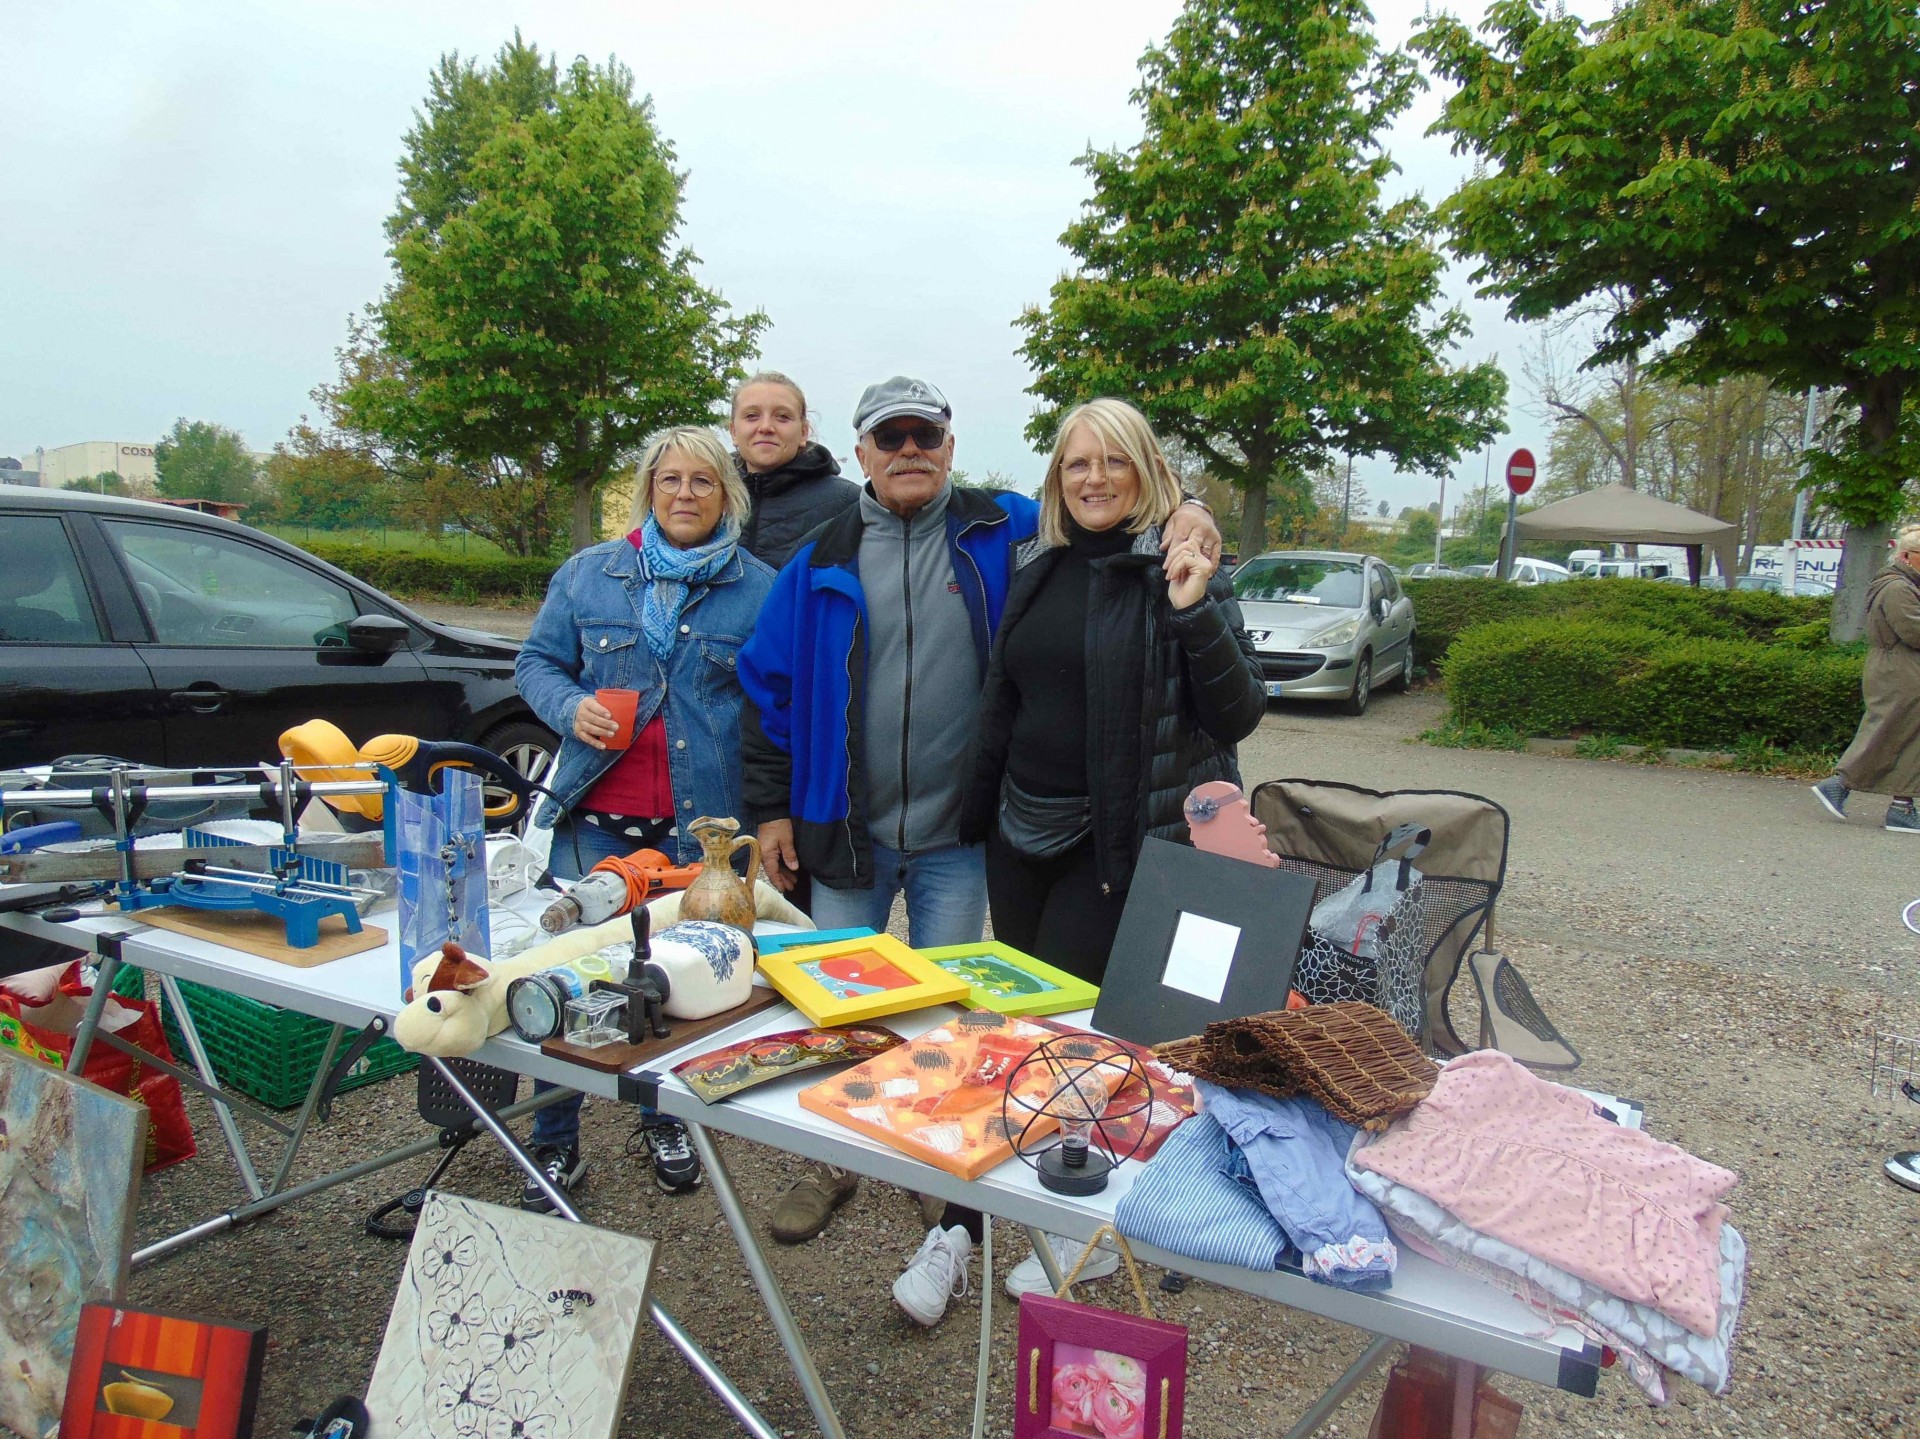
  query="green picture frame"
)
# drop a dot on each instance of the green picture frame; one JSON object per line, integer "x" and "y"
{"x": 1038, "y": 988}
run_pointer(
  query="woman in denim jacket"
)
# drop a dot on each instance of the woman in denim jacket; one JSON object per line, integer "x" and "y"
{"x": 663, "y": 612}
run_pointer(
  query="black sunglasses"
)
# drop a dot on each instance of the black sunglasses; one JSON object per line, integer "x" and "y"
{"x": 893, "y": 437}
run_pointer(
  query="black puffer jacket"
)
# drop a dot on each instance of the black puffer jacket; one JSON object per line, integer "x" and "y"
{"x": 1169, "y": 695}
{"x": 791, "y": 502}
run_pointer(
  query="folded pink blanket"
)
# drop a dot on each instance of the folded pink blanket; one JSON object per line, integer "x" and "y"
{"x": 1531, "y": 1163}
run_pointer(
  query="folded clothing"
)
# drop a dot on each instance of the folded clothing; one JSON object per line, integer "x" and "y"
{"x": 1706, "y": 1360}
{"x": 1189, "y": 1201}
{"x": 1525, "y": 1161}
{"x": 1295, "y": 1153}
{"x": 1351, "y": 1057}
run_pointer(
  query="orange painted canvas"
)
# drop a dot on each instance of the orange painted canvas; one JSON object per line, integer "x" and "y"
{"x": 140, "y": 1375}
{"x": 938, "y": 1098}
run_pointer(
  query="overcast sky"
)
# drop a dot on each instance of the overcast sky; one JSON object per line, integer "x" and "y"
{"x": 196, "y": 192}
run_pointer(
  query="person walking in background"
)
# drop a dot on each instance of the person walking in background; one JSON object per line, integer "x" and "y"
{"x": 794, "y": 484}
{"x": 662, "y": 611}
{"x": 1884, "y": 757}
{"x": 1101, "y": 649}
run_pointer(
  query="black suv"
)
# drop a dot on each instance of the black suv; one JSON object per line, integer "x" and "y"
{"x": 164, "y": 636}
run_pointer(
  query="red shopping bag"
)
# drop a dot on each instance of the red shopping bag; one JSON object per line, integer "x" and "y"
{"x": 44, "y": 1030}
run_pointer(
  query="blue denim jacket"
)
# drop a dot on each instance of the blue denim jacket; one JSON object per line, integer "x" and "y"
{"x": 587, "y": 637}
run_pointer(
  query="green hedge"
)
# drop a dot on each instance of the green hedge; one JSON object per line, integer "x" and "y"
{"x": 1572, "y": 675}
{"x": 454, "y": 577}
{"x": 1442, "y": 609}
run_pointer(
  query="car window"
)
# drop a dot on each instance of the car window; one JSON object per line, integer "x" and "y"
{"x": 200, "y": 588}
{"x": 1376, "y": 585}
{"x": 43, "y": 599}
{"x": 1299, "y": 581}
{"x": 1392, "y": 582}
{"x": 1549, "y": 577}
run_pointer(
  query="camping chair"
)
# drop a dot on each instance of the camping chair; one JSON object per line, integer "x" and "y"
{"x": 1330, "y": 833}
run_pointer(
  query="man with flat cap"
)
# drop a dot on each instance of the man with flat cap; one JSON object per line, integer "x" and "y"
{"x": 864, "y": 671}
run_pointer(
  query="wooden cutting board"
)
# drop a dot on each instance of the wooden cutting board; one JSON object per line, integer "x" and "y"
{"x": 613, "y": 1058}
{"x": 255, "y": 933}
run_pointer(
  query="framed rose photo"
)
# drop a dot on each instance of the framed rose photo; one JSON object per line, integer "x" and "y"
{"x": 1091, "y": 1373}
{"x": 853, "y": 980}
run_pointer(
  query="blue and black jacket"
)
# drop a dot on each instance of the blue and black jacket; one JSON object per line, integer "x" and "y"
{"x": 805, "y": 674}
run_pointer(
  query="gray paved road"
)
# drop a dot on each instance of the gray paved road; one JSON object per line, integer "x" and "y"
{"x": 1741, "y": 871}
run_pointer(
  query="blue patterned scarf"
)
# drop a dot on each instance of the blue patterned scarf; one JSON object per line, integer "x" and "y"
{"x": 671, "y": 573}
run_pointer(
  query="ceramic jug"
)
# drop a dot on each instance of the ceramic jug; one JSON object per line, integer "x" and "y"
{"x": 720, "y": 894}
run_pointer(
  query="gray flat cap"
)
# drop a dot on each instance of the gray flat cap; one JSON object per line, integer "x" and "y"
{"x": 899, "y": 396}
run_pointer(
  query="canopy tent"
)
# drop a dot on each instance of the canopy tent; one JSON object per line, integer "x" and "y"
{"x": 1614, "y": 512}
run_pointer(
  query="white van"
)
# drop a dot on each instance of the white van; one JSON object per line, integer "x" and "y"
{"x": 1539, "y": 572}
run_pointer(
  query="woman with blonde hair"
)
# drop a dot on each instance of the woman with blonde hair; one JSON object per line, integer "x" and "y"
{"x": 1113, "y": 688}
{"x": 1884, "y": 757}
{"x": 662, "y": 611}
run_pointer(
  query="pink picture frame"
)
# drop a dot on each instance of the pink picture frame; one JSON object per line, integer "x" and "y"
{"x": 1092, "y": 1373}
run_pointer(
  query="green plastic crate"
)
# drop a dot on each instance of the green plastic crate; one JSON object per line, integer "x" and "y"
{"x": 270, "y": 1053}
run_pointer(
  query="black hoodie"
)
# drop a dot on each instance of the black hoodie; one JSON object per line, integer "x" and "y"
{"x": 791, "y": 502}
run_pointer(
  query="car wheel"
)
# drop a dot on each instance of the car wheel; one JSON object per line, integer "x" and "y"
{"x": 1362, "y": 686}
{"x": 1406, "y": 666}
{"x": 531, "y": 749}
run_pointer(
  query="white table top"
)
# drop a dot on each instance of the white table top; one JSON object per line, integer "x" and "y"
{"x": 1428, "y": 1304}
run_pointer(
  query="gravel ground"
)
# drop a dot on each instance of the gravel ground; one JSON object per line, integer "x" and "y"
{"x": 1709, "y": 942}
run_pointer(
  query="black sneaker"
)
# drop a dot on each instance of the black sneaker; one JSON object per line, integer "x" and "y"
{"x": 564, "y": 1169}
{"x": 676, "y": 1168}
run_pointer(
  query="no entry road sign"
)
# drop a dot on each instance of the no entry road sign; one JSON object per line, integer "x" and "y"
{"x": 1520, "y": 471}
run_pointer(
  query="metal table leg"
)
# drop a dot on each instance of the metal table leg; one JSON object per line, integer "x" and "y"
{"x": 697, "y": 1359}
{"x": 1043, "y": 1251}
{"x": 305, "y": 1116}
{"x": 764, "y": 1280}
{"x": 242, "y": 1160}
{"x": 1322, "y": 1408}
{"x": 96, "y": 1006}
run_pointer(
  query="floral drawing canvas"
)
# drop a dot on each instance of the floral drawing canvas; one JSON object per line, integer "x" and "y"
{"x": 510, "y": 1325}
{"x": 69, "y": 1180}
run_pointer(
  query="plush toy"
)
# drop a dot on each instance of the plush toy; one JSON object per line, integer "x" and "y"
{"x": 458, "y": 1002}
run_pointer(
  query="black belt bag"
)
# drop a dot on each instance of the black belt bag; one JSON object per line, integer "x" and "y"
{"x": 1043, "y": 826}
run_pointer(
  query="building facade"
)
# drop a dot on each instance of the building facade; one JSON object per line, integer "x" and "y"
{"x": 132, "y": 460}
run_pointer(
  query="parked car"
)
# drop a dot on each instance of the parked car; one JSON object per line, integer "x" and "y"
{"x": 1776, "y": 584}
{"x": 1427, "y": 570}
{"x": 167, "y": 637}
{"x": 1326, "y": 623}
{"x": 1478, "y": 572}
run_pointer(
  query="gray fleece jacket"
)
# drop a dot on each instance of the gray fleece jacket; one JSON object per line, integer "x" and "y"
{"x": 923, "y": 678}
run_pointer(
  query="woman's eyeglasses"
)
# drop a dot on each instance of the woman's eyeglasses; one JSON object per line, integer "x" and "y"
{"x": 1117, "y": 467}
{"x": 894, "y": 437}
{"x": 699, "y": 486}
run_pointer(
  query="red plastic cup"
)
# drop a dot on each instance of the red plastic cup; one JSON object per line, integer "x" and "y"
{"x": 621, "y": 704}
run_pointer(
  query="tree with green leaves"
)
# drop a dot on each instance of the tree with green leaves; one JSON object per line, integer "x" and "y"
{"x": 1241, "y": 277}
{"x": 107, "y": 482}
{"x": 1743, "y": 173}
{"x": 199, "y": 460}
{"x": 543, "y": 319}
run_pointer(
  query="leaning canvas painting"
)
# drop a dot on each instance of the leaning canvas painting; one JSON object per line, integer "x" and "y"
{"x": 509, "y": 1323}
{"x": 69, "y": 1180}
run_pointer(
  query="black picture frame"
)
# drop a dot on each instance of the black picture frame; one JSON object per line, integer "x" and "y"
{"x": 1270, "y": 908}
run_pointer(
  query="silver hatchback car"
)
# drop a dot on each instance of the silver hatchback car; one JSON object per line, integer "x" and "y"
{"x": 1326, "y": 625}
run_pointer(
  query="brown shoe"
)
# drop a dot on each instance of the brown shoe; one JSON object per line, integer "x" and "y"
{"x": 803, "y": 1211}
{"x": 932, "y": 1209}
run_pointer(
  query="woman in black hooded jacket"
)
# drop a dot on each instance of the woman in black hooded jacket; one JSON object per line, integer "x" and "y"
{"x": 1112, "y": 690}
{"x": 794, "y": 483}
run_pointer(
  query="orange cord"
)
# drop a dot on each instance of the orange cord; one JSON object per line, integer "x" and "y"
{"x": 647, "y": 873}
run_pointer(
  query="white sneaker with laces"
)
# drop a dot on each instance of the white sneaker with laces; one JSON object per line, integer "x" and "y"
{"x": 934, "y": 1275}
{"x": 1030, "y": 1277}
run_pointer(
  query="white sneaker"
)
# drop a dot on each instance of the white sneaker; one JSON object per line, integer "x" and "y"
{"x": 934, "y": 1275}
{"x": 1030, "y": 1277}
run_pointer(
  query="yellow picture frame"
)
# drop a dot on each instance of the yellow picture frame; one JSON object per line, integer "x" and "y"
{"x": 838, "y": 984}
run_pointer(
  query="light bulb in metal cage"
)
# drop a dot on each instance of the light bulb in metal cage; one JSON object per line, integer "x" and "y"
{"x": 1071, "y": 1080}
